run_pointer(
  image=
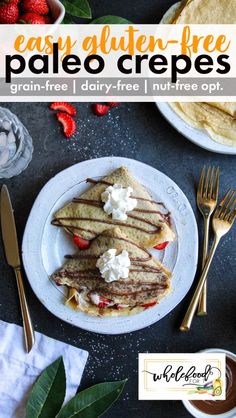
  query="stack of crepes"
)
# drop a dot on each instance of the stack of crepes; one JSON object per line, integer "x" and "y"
{"x": 218, "y": 119}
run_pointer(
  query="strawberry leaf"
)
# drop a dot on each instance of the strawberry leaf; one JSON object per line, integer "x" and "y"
{"x": 78, "y": 8}
{"x": 48, "y": 393}
{"x": 110, "y": 19}
{"x": 94, "y": 401}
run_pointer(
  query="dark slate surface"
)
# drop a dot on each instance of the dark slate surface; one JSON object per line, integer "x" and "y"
{"x": 136, "y": 131}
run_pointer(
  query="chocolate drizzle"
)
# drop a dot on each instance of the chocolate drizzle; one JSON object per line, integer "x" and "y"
{"x": 107, "y": 183}
{"x": 91, "y": 278}
{"x": 67, "y": 222}
{"x": 91, "y": 256}
{"x": 100, "y": 204}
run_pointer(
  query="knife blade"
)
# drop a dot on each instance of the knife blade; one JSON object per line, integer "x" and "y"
{"x": 10, "y": 242}
{"x": 9, "y": 234}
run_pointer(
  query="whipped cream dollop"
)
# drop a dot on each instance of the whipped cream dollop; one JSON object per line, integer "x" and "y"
{"x": 95, "y": 298}
{"x": 114, "y": 267}
{"x": 118, "y": 201}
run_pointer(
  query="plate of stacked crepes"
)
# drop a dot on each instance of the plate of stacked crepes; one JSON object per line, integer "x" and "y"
{"x": 111, "y": 245}
{"x": 208, "y": 124}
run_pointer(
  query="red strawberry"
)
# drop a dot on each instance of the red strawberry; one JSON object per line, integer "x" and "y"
{"x": 82, "y": 243}
{"x": 32, "y": 19}
{"x": 119, "y": 307}
{"x": 39, "y": 7}
{"x": 103, "y": 302}
{"x": 112, "y": 104}
{"x": 64, "y": 107}
{"x": 3, "y": 2}
{"x": 149, "y": 305}
{"x": 100, "y": 109}
{"x": 9, "y": 13}
{"x": 68, "y": 123}
{"x": 161, "y": 246}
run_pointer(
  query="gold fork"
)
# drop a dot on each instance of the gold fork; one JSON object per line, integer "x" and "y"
{"x": 223, "y": 220}
{"x": 207, "y": 196}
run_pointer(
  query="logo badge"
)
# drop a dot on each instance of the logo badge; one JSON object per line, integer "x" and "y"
{"x": 198, "y": 376}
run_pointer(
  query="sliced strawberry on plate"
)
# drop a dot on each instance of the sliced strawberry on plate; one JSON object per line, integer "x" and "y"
{"x": 81, "y": 243}
{"x": 100, "y": 109}
{"x": 161, "y": 246}
{"x": 119, "y": 306}
{"x": 149, "y": 305}
{"x": 104, "y": 302}
{"x": 113, "y": 104}
{"x": 68, "y": 123}
{"x": 64, "y": 107}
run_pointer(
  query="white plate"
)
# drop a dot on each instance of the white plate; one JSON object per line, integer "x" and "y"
{"x": 199, "y": 137}
{"x": 44, "y": 245}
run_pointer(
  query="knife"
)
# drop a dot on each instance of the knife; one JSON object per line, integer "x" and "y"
{"x": 10, "y": 241}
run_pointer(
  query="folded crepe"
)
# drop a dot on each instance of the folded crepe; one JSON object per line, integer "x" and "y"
{"x": 218, "y": 119}
{"x": 147, "y": 283}
{"x": 147, "y": 224}
{"x": 206, "y": 12}
{"x": 220, "y": 125}
{"x": 227, "y": 107}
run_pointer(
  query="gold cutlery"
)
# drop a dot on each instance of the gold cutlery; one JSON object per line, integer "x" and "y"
{"x": 10, "y": 241}
{"x": 207, "y": 196}
{"x": 223, "y": 220}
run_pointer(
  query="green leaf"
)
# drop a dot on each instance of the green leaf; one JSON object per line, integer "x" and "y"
{"x": 48, "y": 393}
{"x": 78, "y": 8}
{"x": 94, "y": 401}
{"x": 68, "y": 20}
{"x": 110, "y": 19}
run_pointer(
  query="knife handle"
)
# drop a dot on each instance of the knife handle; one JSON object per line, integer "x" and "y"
{"x": 27, "y": 323}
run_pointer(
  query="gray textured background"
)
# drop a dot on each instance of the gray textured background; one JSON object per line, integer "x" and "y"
{"x": 136, "y": 131}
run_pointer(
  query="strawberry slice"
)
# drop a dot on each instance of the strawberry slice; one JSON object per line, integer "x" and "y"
{"x": 149, "y": 305}
{"x": 161, "y": 246}
{"x": 81, "y": 243}
{"x": 69, "y": 125}
{"x": 64, "y": 107}
{"x": 119, "y": 307}
{"x": 100, "y": 109}
{"x": 104, "y": 302}
{"x": 113, "y": 104}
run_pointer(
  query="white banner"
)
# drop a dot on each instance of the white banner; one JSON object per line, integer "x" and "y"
{"x": 118, "y": 62}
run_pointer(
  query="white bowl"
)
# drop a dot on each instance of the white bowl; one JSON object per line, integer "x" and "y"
{"x": 199, "y": 414}
{"x": 57, "y": 11}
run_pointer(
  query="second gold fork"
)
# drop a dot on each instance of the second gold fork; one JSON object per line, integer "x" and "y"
{"x": 223, "y": 220}
{"x": 207, "y": 196}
